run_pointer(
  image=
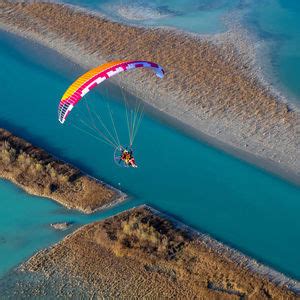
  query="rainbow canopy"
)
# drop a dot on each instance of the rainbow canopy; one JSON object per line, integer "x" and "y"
{"x": 92, "y": 78}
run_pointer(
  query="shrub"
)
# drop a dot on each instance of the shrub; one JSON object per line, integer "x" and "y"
{"x": 13, "y": 154}
{"x": 51, "y": 171}
{"x": 39, "y": 167}
{"x": 150, "y": 235}
{"x": 5, "y": 156}
{"x": 63, "y": 178}
{"x": 8, "y": 153}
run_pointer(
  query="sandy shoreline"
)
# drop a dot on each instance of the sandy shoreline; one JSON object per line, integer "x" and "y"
{"x": 259, "y": 129}
{"x": 104, "y": 258}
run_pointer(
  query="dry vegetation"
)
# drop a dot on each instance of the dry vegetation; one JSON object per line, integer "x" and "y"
{"x": 39, "y": 173}
{"x": 146, "y": 233}
{"x": 140, "y": 254}
{"x": 207, "y": 85}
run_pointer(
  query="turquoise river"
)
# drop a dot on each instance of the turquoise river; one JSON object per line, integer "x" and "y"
{"x": 233, "y": 201}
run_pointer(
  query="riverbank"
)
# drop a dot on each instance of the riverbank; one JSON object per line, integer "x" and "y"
{"x": 154, "y": 256}
{"x": 41, "y": 174}
{"x": 210, "y": 86}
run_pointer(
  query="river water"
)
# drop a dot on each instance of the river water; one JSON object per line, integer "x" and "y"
{"x": 201, "y": 186}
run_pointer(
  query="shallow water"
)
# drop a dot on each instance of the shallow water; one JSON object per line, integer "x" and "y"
{"x": 203, "y": 187}
{"x": 192, "y": 15}
{"x": 25, "y": 224}
{"x": 276, "y": 21}
{"x": 279, "y": 21}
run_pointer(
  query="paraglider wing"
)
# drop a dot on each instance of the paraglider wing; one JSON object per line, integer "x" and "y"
{"x": 92, "y": 78}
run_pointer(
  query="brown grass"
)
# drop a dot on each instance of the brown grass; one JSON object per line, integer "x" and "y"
{"x": 39, "y": 173}
{"x": 149, "y": 234}
{"x": 139, "y": 254}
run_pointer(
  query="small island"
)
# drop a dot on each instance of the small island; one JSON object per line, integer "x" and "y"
{"x": 61, "y": 225}
{"x": 41, "y": 174}
{"x": 141, "y": 253}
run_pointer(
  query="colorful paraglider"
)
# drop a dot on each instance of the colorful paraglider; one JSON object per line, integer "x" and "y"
{"x": 85, "y": 83}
